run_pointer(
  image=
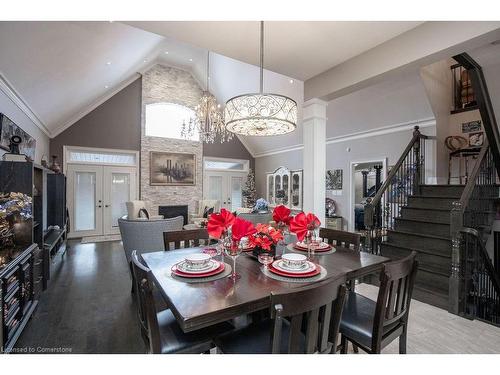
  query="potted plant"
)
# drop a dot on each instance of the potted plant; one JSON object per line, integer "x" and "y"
{"x": 265, "y": 239}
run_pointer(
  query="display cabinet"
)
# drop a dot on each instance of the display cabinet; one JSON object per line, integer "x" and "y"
{"x": 285, "y": 187}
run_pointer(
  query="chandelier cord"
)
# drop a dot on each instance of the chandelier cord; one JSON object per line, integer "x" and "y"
{"x": 208, "y": 70}
{"x": 261, "y": 57}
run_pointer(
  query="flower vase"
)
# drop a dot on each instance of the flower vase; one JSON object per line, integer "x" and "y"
{"x": 258, "y": 250}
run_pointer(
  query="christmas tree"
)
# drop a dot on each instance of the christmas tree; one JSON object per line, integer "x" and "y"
{"x": 249, "y": 193}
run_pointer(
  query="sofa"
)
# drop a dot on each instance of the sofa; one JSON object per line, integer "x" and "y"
{"x": 197, "y": 217}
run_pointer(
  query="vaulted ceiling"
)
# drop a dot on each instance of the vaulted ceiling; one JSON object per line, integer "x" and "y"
{"x": 63, "y": 70}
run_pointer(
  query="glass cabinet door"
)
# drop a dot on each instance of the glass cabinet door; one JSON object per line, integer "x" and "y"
{"x": 296, "y": 190}
{"x": 285, "y": 188}
{"x": 270, "y": 188}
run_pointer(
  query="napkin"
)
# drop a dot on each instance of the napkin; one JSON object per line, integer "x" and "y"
{"x": 242, "y": 228}
{"x": 281, "y": 214}
{"x": 219, "y": 223}
{"x": 301, "y": 223}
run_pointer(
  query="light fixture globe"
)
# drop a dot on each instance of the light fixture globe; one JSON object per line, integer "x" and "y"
{"x": 260, "y": 114}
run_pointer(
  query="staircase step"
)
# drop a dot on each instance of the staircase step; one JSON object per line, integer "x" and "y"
{"x": 426, "y": 214}
{"x": 453, "y": 191}
{"x": 430, "y": 202}
{"x": 431, "y": 244}
{"x": 432, "y": 281}
{"x": 422, "y": 227}
{"x": 430, "y": 297}
{"x": 429, "y": 261}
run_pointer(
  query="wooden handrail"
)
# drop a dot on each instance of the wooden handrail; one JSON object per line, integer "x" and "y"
{"x": 416, "y": 137}
{"x": 471, "y": 181}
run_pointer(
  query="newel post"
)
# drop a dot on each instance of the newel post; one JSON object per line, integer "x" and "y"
{"x": 416, "y": 152}
{"x": 455, "y": 296}
{"x": 369, "y": 224}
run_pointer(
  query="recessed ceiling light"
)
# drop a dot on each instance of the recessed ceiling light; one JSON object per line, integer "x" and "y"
{"x": 108, "y": 63}
{"x": 291, "y": 81}
{"x": 106, "y": 86}
{"x": 166, "y": 52}
{"x": 145, "y": 60}
{"x": 191, "y": 60}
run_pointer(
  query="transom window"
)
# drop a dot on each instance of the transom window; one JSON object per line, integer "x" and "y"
{"x": 166, "y": 119}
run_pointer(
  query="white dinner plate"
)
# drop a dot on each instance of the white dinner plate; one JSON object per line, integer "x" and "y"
{"x": 308, "y": 267}
{"x": 212, "y": 265}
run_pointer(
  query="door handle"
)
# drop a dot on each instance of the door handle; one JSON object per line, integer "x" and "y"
{"x": 107, "y": 205}
{"x": 99, "y": 206}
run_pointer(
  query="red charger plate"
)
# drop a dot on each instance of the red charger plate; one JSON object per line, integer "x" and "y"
{"x": 315, "y": 272}
{"x": 177, "y": 272}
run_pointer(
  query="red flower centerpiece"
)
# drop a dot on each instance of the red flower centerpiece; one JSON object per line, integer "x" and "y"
{"x": 304, "y": 225}
{"x": 265, "y": 239}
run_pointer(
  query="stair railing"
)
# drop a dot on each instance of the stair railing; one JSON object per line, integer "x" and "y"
{"x": 481, "y": 281}
{"x": 403, "y": 180}
{"x": 474, "y": 285}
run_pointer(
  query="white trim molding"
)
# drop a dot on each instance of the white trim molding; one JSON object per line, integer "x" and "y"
{"x": 424, "y": 123}
{"x": 7, "y": 88}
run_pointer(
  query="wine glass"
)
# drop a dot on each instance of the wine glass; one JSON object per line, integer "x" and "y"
{"x": 266, "y": 259}
{"x": 233, "y": 249}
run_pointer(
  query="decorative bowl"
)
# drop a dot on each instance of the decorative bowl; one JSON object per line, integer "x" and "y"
{"x": 197, "y": 261}
{"x": 294, "y": 261}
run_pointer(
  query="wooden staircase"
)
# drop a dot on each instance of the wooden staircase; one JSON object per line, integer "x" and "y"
{"x": 424, "y": 226}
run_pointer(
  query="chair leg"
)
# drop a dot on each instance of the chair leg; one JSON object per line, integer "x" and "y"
{"x": 343, "y": 343}
{"x": 402, "y": 341}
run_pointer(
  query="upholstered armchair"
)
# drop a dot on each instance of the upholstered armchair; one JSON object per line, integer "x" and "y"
{"x": 204, "y": 204}
{"x": 146, "y": 235}
{"x": 134, "y": 208}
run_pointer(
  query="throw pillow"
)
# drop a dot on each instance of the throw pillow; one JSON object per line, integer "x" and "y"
{"x": 208, "y": 211}
{"x": 144, "y": 213}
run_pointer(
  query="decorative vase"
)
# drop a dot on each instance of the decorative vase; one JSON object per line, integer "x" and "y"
{"x": 55, "y": 165}
{"x": 257, "y": 250}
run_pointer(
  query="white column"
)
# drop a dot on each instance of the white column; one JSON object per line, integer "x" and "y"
{"x": 314, "y": 157}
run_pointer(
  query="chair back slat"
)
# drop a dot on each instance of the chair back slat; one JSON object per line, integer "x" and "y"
{"x": 393, "y": 302}
{"x": 146, "y": 304}
{"x": 186, "y": 238}
{"x": 341, "y": 238}
{"x": 308, "y": 307}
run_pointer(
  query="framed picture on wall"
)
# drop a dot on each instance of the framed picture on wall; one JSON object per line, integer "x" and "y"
{"x": 172, "y": 169}
{"x": 8, "y": 129}
{"x": 334, "y": 179}
{"x": 471, "y": 126}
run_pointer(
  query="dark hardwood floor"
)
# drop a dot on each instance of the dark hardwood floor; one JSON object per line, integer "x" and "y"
{"x": 87, "y": 307}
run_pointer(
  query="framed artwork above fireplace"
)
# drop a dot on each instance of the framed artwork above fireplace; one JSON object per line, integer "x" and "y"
{"x": 172, "y": 169}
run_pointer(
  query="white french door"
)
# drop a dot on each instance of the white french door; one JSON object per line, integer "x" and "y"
{"x": 96, "y": 197}
{"x": 226, "y": 187}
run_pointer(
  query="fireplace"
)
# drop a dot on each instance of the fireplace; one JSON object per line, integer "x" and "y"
{"x": 174, "y": 211}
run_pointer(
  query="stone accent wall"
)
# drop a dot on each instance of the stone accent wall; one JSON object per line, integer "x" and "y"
{"x": 167, "y": 84}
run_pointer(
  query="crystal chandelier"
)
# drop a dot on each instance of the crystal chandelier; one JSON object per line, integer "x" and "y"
{"x": 208, "y": 120}
{"x": 261, "y": 114}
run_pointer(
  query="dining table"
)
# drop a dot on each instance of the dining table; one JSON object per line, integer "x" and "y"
{"x": 199, "y": 305}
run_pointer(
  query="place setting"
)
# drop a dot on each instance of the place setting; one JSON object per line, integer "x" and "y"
{"x": 200, "y": 267}
{"x": 291, "y": 267}
{"x": 316, "y": 246}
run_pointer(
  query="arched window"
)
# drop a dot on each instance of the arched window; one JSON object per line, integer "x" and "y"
{"x": 166, "y": 119}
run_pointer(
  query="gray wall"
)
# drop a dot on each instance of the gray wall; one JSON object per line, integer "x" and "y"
{"x": 114, "y": 124}
{"x": 12, "y": 111}
{"x": 233, "y": 149}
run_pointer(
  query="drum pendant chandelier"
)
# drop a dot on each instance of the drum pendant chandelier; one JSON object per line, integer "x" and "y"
{"x": 261, "y": 114}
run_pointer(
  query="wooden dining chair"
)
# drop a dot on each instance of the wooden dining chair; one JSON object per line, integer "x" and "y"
{"x": 160, "y": 329}
{"x": 341, "y": 238}
{"x": 301, "y": 320}
{"x": 186, "y": 238}
{"x": 372, "y": 325}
